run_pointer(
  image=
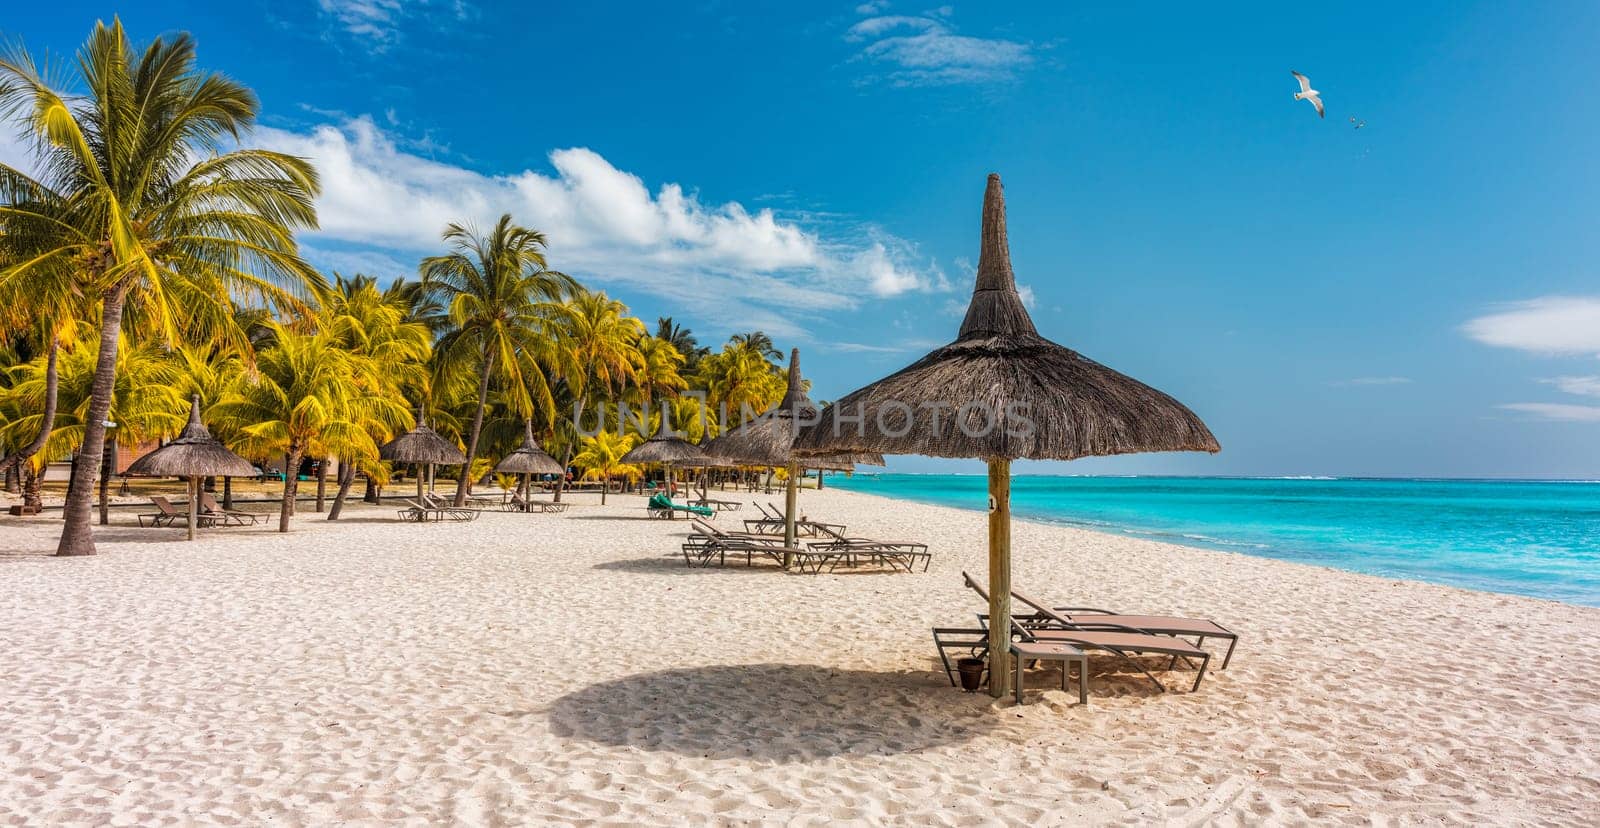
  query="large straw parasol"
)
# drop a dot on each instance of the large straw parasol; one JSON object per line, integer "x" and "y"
{"x": 421, "y": 445}
{"x": 195, "y": 454}
{"x": 665, "y": 448}
{"x": 1002, "y": 392}
{"x": 768, "y": 440}
{"x": 528, "y": 459}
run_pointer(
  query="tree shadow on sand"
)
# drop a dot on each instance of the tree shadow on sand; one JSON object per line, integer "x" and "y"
{"x": 773, "y": 712}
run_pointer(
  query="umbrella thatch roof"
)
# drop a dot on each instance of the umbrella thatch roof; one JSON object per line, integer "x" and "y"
{"x": 421, "y": 445}
{"x": 529, "y": 458}
{"x": 1001, "y": 391}
{"x": 768, "y": 440}
{"x": 665, "y": 448}
{"x": 194, "y": 454}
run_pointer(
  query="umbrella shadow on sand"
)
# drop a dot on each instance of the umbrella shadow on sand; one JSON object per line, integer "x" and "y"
{"x": 772, "y": 712}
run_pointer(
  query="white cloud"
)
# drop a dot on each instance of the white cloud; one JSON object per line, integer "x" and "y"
{"x": 1582, "y": 386}
{"x": 1026, "y": 293}
{"x": 1548, "y": 324}
{"x": 1563, "y": 412}
{"x": 872, "y": 7}
{"x": 926, "y": 51}
{"x": 604, "y": 224}
{"x": 1373, "y": 381}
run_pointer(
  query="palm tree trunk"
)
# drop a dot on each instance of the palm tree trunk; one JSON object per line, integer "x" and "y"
{"x": 227, "y": 493}
{"x": 322, "y": 484}
{"x": 561, "y": 479}
{"x": 291, "y": 487}
{"x": 347, "y": 478}
{"x": 371, "y": 493}
{"x": 32, "y": 486}
{"x": 464, "y": 485}
{"x": 605, "y": 486}
{"x": 13, "y": 480}
{"x": 107, "y": 466}
{"x": 77, "y": 534}
{"x": 46, "y": 424}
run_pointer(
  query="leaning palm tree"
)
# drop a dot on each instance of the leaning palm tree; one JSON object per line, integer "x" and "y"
{"x": 500, "y": 297}
{"x": 159, "y": 218}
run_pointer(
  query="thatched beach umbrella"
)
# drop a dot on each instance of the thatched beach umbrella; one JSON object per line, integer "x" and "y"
{"x": 528, "y": 459}
{"x": 421, "y": 445}
{"x": 195, "y": 454}
{"x": 665, "y": 448}
{"x": 1002, "y": 392}
{"x": 768, "y": 440}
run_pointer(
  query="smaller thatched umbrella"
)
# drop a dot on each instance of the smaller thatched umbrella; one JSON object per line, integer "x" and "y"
{"x": 768, "y": 440}
{"x": 528, "y": 459}
{"x": 195, "y": 454}
{"x": 421, "y": 445}
{"x": 665, "y": 448}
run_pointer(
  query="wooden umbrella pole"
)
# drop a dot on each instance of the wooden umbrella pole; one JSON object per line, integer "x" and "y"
{"x": 194, "y": 504}
{"x": 790, "y": 498}
{"x": 420, "y": 474}
{"x": 999, "y": 577}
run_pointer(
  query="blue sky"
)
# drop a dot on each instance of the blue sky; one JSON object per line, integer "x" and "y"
{"x": 1415, "y": 297}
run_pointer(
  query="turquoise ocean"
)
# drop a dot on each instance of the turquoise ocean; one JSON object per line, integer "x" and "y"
{"x": 1537, "y": 538}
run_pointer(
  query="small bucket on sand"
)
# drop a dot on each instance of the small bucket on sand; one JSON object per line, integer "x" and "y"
{"x": 971, "y": 670}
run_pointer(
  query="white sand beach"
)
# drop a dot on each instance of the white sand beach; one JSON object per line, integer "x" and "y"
{"x": 570, "y": 669}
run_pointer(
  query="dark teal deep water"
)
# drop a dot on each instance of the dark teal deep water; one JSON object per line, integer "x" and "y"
{"x": 1536, "y": 538}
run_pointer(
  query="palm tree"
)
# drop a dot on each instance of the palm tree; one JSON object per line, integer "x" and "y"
{"x": 500, "y": 297}
{"x": 758, "y": 342}
{"x": 601, "y": 340}
{"x": 601, "y": 458}
{"x": 739, "y": 381}
{"x": 157, "y": 217}
{"x": 306, "y": 397}
{"x": 682, "y": 339}
{"x": 379, "y": 329}
{"x": 657, "y": 370}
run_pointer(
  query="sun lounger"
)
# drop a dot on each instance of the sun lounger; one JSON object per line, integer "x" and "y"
{"x": 772, "y": 523}
{"x": 661, "y": 506}
{"x": 1198, "y": 628}
{"x": 208, "y": 504}
{"x": 709, "y": 542}
{"x": 450, "y": 510}
{"x": 1117, "y": 639}
{"x": 168, "y": 515}
{"x": 419, "y": 512}
{"x": 717, "y": 505}
{"x": 895, "y": 553}
{"x": 515, "y": 503}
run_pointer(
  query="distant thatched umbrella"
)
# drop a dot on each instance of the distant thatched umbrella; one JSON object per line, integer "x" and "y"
{"x": 768, "y": 440}
{"x": 1001, "y": 392}
{"x": 421, "y": 445}
{"x": 528, "y": 459}
{"x": 195, "y": 454}
{"x": 664, "y": 448}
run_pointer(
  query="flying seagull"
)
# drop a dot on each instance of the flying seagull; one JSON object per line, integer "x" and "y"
{"x": 1306, "y": 93}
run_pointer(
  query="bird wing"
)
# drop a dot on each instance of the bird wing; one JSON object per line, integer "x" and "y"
{"x": 1316, "y": 101}
{"x": 1305, "y": 82}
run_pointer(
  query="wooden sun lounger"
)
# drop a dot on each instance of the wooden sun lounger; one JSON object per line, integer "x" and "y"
{"x": 209, "y": 506}
{"x": 1198, "y": 628}
{"x": 895, "y": 553}
{"x": 450, "y": 510}
{"x": 168, "y": 515}
{"x": 718, "y": 505}
{"x": 1117, "y": 639}
{"x": 517, "y": 504}
{"x": 418, "y": 512}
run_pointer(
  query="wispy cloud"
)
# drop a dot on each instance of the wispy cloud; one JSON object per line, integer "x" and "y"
{"x": 1548, "y": 324}
{"x": 604, "y": 224}
{"x": 925, "y": 50}
{"x": 1561, "y": 412}
{"x": 1582, "y": 386}
{"x": 1369, "y": 381}
{"x": 377, "y": 24}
